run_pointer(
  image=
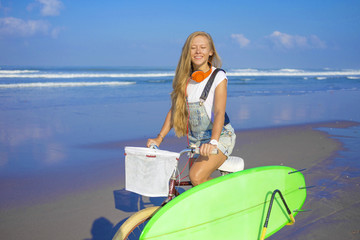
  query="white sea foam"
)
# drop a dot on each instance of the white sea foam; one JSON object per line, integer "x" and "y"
{"x": 245, "y": 70}
{"x": 87, "y": 75}
{"x": 63, "y": 84}
{"x": 17, "y": 71}
{"x": 350, "y": 77}
{"x": 292, "y": 72}
{"x": 233, "y": 72}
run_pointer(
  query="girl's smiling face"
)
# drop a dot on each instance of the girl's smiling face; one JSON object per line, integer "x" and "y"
{"x": 200, "y": 53}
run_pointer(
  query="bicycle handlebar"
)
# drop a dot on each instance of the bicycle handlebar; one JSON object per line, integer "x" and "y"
{"x": 195, "y": 150}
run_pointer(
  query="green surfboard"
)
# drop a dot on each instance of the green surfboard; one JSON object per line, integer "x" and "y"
{"x": 230, "y": 207}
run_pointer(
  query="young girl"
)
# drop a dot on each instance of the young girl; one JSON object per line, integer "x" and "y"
{"x": 205, "y": 123}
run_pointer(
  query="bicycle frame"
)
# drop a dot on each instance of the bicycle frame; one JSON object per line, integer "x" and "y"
{"x": 173, "y": 182}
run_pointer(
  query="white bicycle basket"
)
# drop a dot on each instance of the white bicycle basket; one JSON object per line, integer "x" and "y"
{"x": 147, "y": 171}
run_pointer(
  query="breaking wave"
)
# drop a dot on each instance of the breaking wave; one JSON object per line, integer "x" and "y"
{"x": 289, "y": 72}
{"x": 63, "y": 84}
{"x": 86, "y": 75}
{"x": 231, "y": 72}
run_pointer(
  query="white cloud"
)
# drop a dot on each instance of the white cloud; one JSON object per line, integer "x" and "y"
{"x": 240, "y": 39}
{"x": 11, "y": 26}
{"x": 317, "y": 42}
{"x": 284, "y": 40}
{"x": 51, "y": 7}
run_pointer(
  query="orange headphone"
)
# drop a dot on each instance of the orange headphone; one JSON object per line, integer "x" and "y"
{"x": 199, "y": 76}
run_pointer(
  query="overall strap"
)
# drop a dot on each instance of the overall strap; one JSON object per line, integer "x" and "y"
{"x": 206, "y": 91}
{"x": 208, "y": 85}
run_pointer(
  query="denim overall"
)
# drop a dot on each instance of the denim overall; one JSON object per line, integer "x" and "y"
{"x": 200, "y": 128}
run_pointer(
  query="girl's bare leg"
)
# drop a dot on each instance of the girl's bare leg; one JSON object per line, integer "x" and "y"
{"x": 203, "y": 167}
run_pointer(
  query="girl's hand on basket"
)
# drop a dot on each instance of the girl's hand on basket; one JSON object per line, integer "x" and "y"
{"x": 207, "y": 149}
{"x": 156, "y": 141}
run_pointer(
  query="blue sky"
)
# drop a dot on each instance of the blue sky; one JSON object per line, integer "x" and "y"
{"x": 247, "y": 34}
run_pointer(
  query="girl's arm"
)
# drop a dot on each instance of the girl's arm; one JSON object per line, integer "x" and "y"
{"x": 164, "y": 131}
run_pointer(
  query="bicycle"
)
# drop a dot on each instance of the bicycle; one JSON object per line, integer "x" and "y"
{"x": 133, "y": 226}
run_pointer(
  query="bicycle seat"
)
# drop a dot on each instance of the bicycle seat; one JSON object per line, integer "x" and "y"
{"x": 232, "y": 164}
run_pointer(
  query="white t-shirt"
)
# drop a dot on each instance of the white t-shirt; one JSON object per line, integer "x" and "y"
{"x": 195, "y": 89}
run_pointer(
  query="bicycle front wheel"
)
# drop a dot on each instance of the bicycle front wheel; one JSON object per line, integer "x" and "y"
{"x": 132, "y": 228}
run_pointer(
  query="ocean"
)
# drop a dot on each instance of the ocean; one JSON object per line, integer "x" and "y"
{"x": 141, "y": 84}
{"x": 43, "y": 88}
{"x": 48, "y": 114}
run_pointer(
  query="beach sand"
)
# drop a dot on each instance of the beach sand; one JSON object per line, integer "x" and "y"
{"x": 85, "y": 202}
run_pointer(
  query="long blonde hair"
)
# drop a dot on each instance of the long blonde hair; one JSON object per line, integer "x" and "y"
{"x": 182, "y": 74}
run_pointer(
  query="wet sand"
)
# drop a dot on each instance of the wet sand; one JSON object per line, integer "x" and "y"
{"x": 87, "y": 202}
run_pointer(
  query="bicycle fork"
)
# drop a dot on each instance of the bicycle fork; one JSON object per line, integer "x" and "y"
{"x": 172, "y": 188}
